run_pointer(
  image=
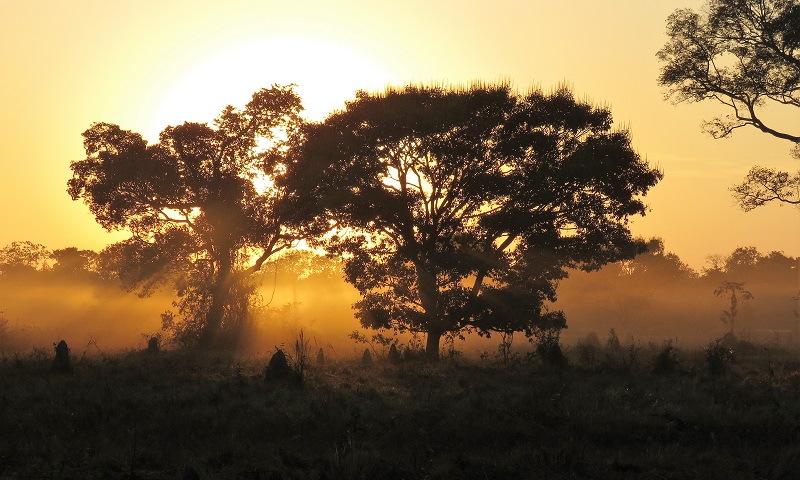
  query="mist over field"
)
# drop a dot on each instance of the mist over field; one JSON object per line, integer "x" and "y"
{"x": 96, "y": 315}
{"x": 655, "y": 308}
{"x": 652, "y": 299}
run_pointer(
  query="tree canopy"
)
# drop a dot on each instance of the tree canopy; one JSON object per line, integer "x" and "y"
{"x": 745, "y": 55}
{"x": 657, "y": 266}
{"x": 23, "y": 256}
{"x": 459, "y": 209}
{"x": 202, "y": 204}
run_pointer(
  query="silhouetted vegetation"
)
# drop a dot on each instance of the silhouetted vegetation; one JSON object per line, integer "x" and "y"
{"x": 460, "y": 209}
{"x": 744, "y": 54}
{"x": 61, "y": 362}
{"x": 653, "y": 297}
{"x": 609, "y": 407}
{"x": 656, "y": 296}
{"x": 669, "y": 415}
{"x": 735, "y": 293}
{"x": 451, "y": 211}
{"x": 719, "y": 355}
{"x": 82, "y": 304}
{"x": 204, "y": 207}
{"x": 666, "y": 361}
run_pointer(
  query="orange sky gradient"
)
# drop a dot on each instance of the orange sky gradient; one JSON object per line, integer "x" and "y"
{"x": 146, "y": 64}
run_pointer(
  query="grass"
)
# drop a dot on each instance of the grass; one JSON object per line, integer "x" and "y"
{"x": 149, "y": 416}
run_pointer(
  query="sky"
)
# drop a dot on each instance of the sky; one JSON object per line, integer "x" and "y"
{"x": 145, "y": 65}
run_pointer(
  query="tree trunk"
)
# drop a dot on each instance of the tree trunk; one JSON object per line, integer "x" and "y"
{"x": 212, "y": 329}
{"x": 210, "y": 334}
{"x": 432, "y": 345}
{"x": 429, "y": 298}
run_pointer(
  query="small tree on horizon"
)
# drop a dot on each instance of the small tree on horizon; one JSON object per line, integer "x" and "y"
{"x": 735, "y": 292}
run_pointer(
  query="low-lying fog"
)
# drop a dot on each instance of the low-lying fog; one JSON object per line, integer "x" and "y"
{"x": 654, "y": 298}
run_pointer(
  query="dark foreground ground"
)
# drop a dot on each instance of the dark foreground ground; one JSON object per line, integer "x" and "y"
{"x": 169, "y": 414}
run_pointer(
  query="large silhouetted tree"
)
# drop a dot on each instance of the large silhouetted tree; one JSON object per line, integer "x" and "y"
{"x": 745, "y": 55}
{"x": 459, "y": 209}
{"x": 202, "y": 206}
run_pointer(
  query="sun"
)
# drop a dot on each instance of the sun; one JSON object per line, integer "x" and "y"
{"x": 326, "y": 75}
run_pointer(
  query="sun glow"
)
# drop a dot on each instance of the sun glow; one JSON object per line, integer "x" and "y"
{"x": 326, "y": 74}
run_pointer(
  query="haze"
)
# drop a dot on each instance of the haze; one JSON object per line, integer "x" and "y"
{"x": 148, "y": 64}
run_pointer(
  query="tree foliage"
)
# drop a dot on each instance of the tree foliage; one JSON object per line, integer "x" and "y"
{"x": 655, "y": 265}
{"x": 72, "y": 261}
{"x": 202, "y": 204}
{"x": 23, "y": 256}
{"x": 763, "y": 185}
{"x": 745, "y": 55}
{"x": 459, "y": 209}
{"x": 748, "y": 264}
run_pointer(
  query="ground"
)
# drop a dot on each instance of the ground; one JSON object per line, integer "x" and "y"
{"x": 148, "y": 415}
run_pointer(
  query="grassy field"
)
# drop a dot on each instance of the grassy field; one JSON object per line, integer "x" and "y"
{"x": 608, "y": 414}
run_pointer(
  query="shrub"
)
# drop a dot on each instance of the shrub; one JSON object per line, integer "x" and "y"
{"x": 718, "y": 357}
{"x": 394, "y": 355}
{"x": 666, "y": 361}
{"x": 551, "y": 354}
{"x": 587, "y": 350}
{"x": 546, "y": 341}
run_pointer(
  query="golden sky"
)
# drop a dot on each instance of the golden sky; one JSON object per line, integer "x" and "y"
{"x": 65, "y": 64}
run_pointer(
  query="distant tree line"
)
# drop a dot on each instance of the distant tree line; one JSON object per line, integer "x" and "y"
{"x": 24, "y": 257}
{"x": 653, "y": 296}
{"x": 656, "y": 295}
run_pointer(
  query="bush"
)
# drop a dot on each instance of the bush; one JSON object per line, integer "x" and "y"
{"x": 548, "y": 347}
{"x": 587, "y": 350}
{"x": 666, "y": 361}
{"x": 718, "y": 357}
{"x": 551, "y": 354}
